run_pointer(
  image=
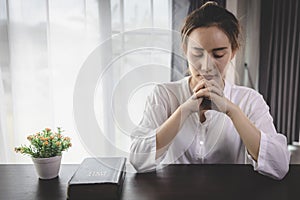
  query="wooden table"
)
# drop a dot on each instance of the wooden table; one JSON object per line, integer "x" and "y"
{"x": 172, "y": 182}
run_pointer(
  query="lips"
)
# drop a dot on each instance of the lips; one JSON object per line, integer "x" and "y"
{"x": 208, "y": 76}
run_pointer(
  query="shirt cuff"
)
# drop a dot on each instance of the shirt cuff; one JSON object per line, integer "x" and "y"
{"x": 143, "y": 153}
{"x": 263, "y": 146}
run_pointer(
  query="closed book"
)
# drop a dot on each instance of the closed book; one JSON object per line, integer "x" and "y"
{"x": 98, "y": 178}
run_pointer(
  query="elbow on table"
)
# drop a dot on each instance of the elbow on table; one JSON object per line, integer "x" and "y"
{"x": 141, "y": 162}
{"x": 281, "y": 171}
{"x": 285, "y": 168}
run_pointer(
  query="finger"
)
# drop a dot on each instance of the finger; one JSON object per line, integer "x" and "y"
{"x": 194, "y": 97}
{"x": 212, "y": 82}
{"x": 215, "y": 87}
{"x": 218, "y": 103}
{"x": 216, "y": 90}
{"x": 201, "y": 84}
{"x": 215, "y": 83}
{"x": 202, "y": 93}
{"x": 205, "y": 92}
{"x": 206, "y": 84}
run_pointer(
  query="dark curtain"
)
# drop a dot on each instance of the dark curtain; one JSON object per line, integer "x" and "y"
{"x": 279, "y": 64}
{"x": 178, "y": 62}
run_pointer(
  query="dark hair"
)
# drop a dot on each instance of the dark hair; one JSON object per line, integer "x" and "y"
{"x": 211, "y": 14}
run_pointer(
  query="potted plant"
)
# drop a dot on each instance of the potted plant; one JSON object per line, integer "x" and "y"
{"x": 46, "y": 149}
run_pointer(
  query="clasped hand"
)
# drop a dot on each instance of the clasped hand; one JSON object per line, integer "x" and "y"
{"x": 211, "y": 90}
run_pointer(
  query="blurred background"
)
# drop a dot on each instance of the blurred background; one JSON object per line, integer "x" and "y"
{"x": 45, "y": 43}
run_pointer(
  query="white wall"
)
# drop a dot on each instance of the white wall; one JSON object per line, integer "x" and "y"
{"x": 248, "y": 13}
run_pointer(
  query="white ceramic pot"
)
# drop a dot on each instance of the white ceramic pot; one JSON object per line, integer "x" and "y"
{"x": 47, "y": 168}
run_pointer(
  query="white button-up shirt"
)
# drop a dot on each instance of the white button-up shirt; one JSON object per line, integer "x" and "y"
{"x": 215, "y": 140}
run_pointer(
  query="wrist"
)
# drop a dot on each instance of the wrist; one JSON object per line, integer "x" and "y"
{"x": 232, "y": 111}
{"x": 185, "y": 111}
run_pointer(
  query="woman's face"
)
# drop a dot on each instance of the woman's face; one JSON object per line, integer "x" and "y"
{"x": 208, "y": 52}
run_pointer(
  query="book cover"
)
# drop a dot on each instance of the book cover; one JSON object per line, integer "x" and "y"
{"x": 98, "y": 178}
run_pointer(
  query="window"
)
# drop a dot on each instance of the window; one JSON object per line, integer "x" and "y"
{"x": 48, "y": 41}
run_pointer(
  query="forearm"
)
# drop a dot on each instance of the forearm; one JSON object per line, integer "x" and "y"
{"x": 169, "y": 129}
{"x": 249, "y": 134}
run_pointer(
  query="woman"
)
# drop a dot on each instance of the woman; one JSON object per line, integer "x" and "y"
{"x": 203, "y": 118}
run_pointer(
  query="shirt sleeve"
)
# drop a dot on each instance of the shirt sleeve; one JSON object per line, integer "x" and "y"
{"x": 143, "y": 146}
{"x": 274, "y": 157}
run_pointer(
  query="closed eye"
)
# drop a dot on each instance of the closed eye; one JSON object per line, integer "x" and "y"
{"x": 219, "y": 52}
{"x": 198, "y": 54}
{"x": 218, "y": 55}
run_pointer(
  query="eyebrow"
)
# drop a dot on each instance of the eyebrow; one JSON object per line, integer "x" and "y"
{"x": 198, "y": 48}
{"x": 216, "y": 49}
{"x": 220, "y": 49}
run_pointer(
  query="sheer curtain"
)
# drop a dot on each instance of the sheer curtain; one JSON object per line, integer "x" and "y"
{"x": 3, "y": 138}
{"x": 4, "y": 63}
{"x": 47, "y": 42}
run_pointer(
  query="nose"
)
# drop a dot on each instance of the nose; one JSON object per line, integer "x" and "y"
{"x": 207, "y": 64}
